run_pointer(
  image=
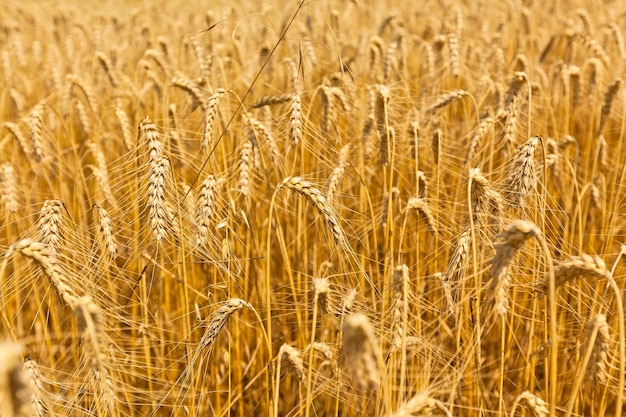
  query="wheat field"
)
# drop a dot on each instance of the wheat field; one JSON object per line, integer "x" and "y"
{"x": 313, "y": 208}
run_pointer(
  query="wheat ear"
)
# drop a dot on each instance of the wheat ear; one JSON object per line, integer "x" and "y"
{"x": 8, "y": 188}
{"x": 156, "y": 198}
{"x": 49, "y": 223}
{"x": 320, "y": 203}
{"x": 522, "y": 181}
{"x": 512, "y": 241}
{"x": 210, "y": 107}
{"x": 206, "y": 209}
{"x": 41, "y": 254}
{"x": 293, "y": 361}
{"x": 106, "y": 232}
{"x": 35, "y": 380}
{"x": 295, "y": 119}
{"x": 90, "y": 327}
{"x": 15, "y": 393}
{"x": 538, "y": 406}
{"x": 361, "y": 350}
{"x": 421, "y": 405}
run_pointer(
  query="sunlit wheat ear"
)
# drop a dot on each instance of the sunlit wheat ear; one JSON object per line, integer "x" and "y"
{"x": 510, "y": 110}
{"x": 94, "y": 347}
{"x": 522, "y": 181}
{"x": 206, "y": 209}
{"x": 219, "y": 320}
{"x": 599, "y": 361}
{"x": 477, "y": 136}
{"x": 8, "y": 188}
{"x": 291, "y": 359}
{"x": 35, "y": 128}
{"x": 106, "y": 232}
{"x": 321, "y": 293}
{"x": 84, "y": 117}
{"x": 35, "y": 381}
{"x": 105, "y": 62}
{"x": 210, "y": 108}
{"x": 292, "y": 75}
{"x": 244, "y": 169}
{"x": 184, "y": 83}
{"x": 578, "y": 267}
{"x": 609, "y": 98}
{"x": 594, "y": 70}
{"x": 422, "y": 184}
{"x": 421, "y": 405}
{"x": 445, "y": 100}
{"x": 329, "y": 111}
{"x": 513, "y": 239}
{"x": 335, "y": 178}
{"x": 487, "y": 203}
{"x": 203, "y": 63}
{"x": 456, "y": 267}
{"x": 361, "y": 351}
{"x": 538, "y": 406}
{"x": 421, "y": 206}
{"x": 619, "y": 39}
{"x": 15, "y": 393}
{"x": 436, "y": 142}
{"x": 400, "y": 282}
{"x": 152, "y": 137}
{"x": 16, "y": 131}
{"x": 49, "y": 224}
{"x": 295, "y": 119}
{"x": 320, "y": 203}
{"x": 327, "y": 353}
{"x": 453, "y": 46}
{"x": 101, "y": 172}
{"x": 271, "y": 100}
{"x": 267, "y": 136}
{"x": 157, "y": 211}
{"x": 575, "y": 85}
{"x": 125, "y": 124}
{"x": 41, "y": 254}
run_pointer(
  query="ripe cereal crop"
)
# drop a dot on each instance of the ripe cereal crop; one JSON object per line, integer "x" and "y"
{"x": 312, "y": 208}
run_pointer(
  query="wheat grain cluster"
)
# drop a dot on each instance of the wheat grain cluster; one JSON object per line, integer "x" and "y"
{"x": 312, "y": 208}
